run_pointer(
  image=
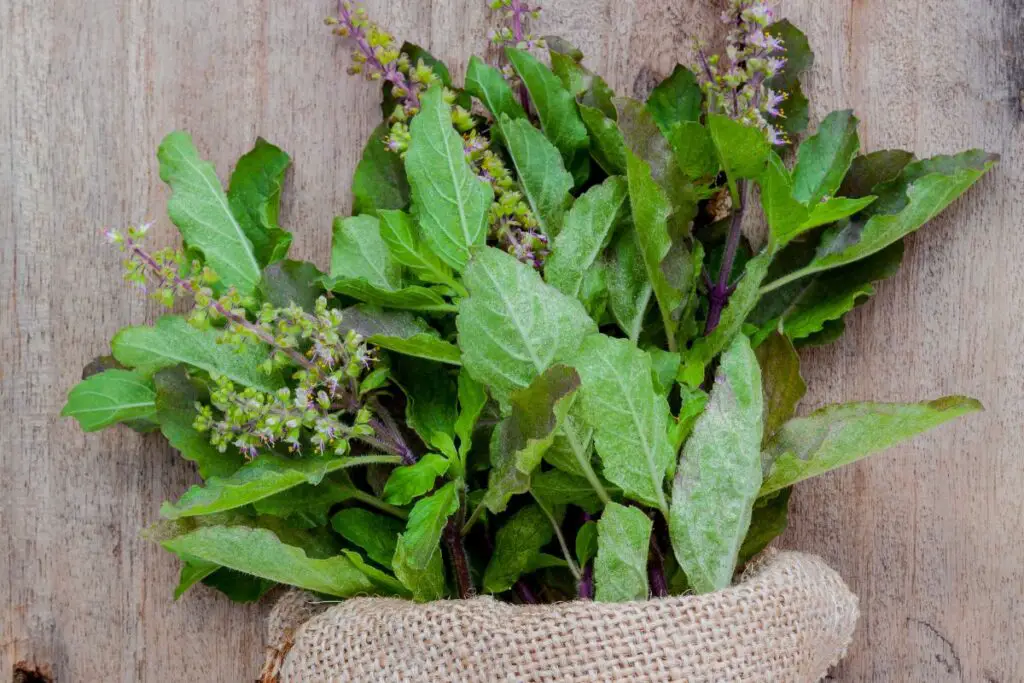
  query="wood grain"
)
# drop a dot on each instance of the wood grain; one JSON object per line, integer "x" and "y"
{"x": 928, "y": 535}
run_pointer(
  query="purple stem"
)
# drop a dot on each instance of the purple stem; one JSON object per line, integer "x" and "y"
{"x": 718, "y": 295}
{"x": 460, "y": 563}
{"x": 586, "y": 585}
{"x": 519, "y": 10}
{"x": 656, "y": 570}
{"x": 389, "y": 73}
{"x": 526, "y": 595}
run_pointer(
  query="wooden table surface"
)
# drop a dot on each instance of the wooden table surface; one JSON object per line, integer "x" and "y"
{"x": 931, "y": 536}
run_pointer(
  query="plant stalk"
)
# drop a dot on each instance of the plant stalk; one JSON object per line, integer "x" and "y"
{"x": 718, "y": 295}
{"x": 459, "y": 560}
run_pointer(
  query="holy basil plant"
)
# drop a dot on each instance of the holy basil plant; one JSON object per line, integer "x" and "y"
{"x": 545, "y": 362}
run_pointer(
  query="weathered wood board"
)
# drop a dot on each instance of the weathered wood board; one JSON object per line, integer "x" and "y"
{"x": 929, "y": 535}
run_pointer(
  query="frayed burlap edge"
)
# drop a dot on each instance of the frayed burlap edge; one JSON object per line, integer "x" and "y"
{"x": 790, "y": 618}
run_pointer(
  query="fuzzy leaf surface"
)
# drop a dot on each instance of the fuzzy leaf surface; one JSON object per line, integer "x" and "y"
{"x": 110, "y": 397}
{"x": 173, "y": 340}
{"x": 200, "y": 209}
{"x": 538, "y": 165}
{"x": 630, "y": 419}
{"x": 401, "y": 332}
{"x": 719, "y": 474}
{"x": 513, "y": 326}
{"x": 254, "y": 194}
{"x": 556, "y": 108}
{"x": 588, "y": 229}
{"x": 409, "y": 482}
{"x": 259, "y": 552}
{"x": 375, "y": 533}
{"x": 839, "y": 435}
{"x": 258, "y": 479}
{"x": 620, "y": 569}
{"x": 517, "y": 546}
{"x": 449, "y": 200}
{"x": 825, "y": 157}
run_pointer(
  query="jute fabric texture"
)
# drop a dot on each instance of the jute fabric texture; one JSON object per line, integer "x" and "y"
{"x": 789, "y": 620}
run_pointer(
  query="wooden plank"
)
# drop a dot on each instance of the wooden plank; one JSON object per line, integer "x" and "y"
{"x": 927, "y": 535}
{"x": 923, "y": 534}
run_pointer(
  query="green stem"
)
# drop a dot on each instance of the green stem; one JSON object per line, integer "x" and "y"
{"x": 373, "y": 501}
{"x": 473, "y": 518}
{"x": 785, "y": 280}
{"x": 561, "y": 539}
{"x": 583, "y": 459}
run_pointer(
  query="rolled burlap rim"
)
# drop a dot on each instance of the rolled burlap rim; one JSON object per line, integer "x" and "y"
{"x": 790, "y": 618}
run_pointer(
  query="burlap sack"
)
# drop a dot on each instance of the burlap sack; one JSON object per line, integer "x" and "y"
{"x": 789, "y": 620}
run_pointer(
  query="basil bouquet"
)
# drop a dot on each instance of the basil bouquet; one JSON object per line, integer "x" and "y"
{"x": 546, "y": 361}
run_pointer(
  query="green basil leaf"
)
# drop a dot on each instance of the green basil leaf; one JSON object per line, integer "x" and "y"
{"x": 488, "y": 85}
{"x": 172, "y": 341}
{"x": 521, "y": 439}
{"x": 418, "y": 563}
{"x": 786, "y": 216}
{"x": 258, "y": 479}
{"x": 607, "y": 144}
{"x": 472, "y": 398}
{"x": 402, "y": 236}
{"x": 620, "y": 569}
{"x": 176, "y": 398}
{"x": 676, "y": 99}
{"x": 586, "y": 543}
{"x": 384, "y": 582}
{"x": 254, "y": 194}
{"x": 449, "y": 200}
{"x": 587, "y": 87}
{"x": 650, "y": 220}
{"x": 719, "y": 474}
{"x": 374, "y": 533}
{"x": 358, "y": 252}
{"x": 834, "y": 210}
{"x": 110, "y": 397}
{"x": 408, "y": 483}
{"x": 513, "y": 326}
{"x": 927, "y": 188}
{"x": 783, "y": 385}
{"x": 399, "y": 331}
{"x": 259, "y": 552}
{"x": 839, "y": 435}
{"x": 694, "y": 151}
{"x": 871, "y": 170}
{"x": 588, "y": 229}
{"x": 629, "y": 418}
{"x": 517, "y": 546}
{"x": 768, "y": 521}
{"x": 379, "y": 182}
{"x": 742, "y": 150}
{"x": 538, "y": 166}
{"x": 824, "y": 158}
{"x": 556, "y": 108}
{"x": 556, "y": 487}
{"x": 291, "y": 282}
{"x": 200, "y": 209}
{"x": 412, "y": 298}
{"x": 629, "y": 290}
